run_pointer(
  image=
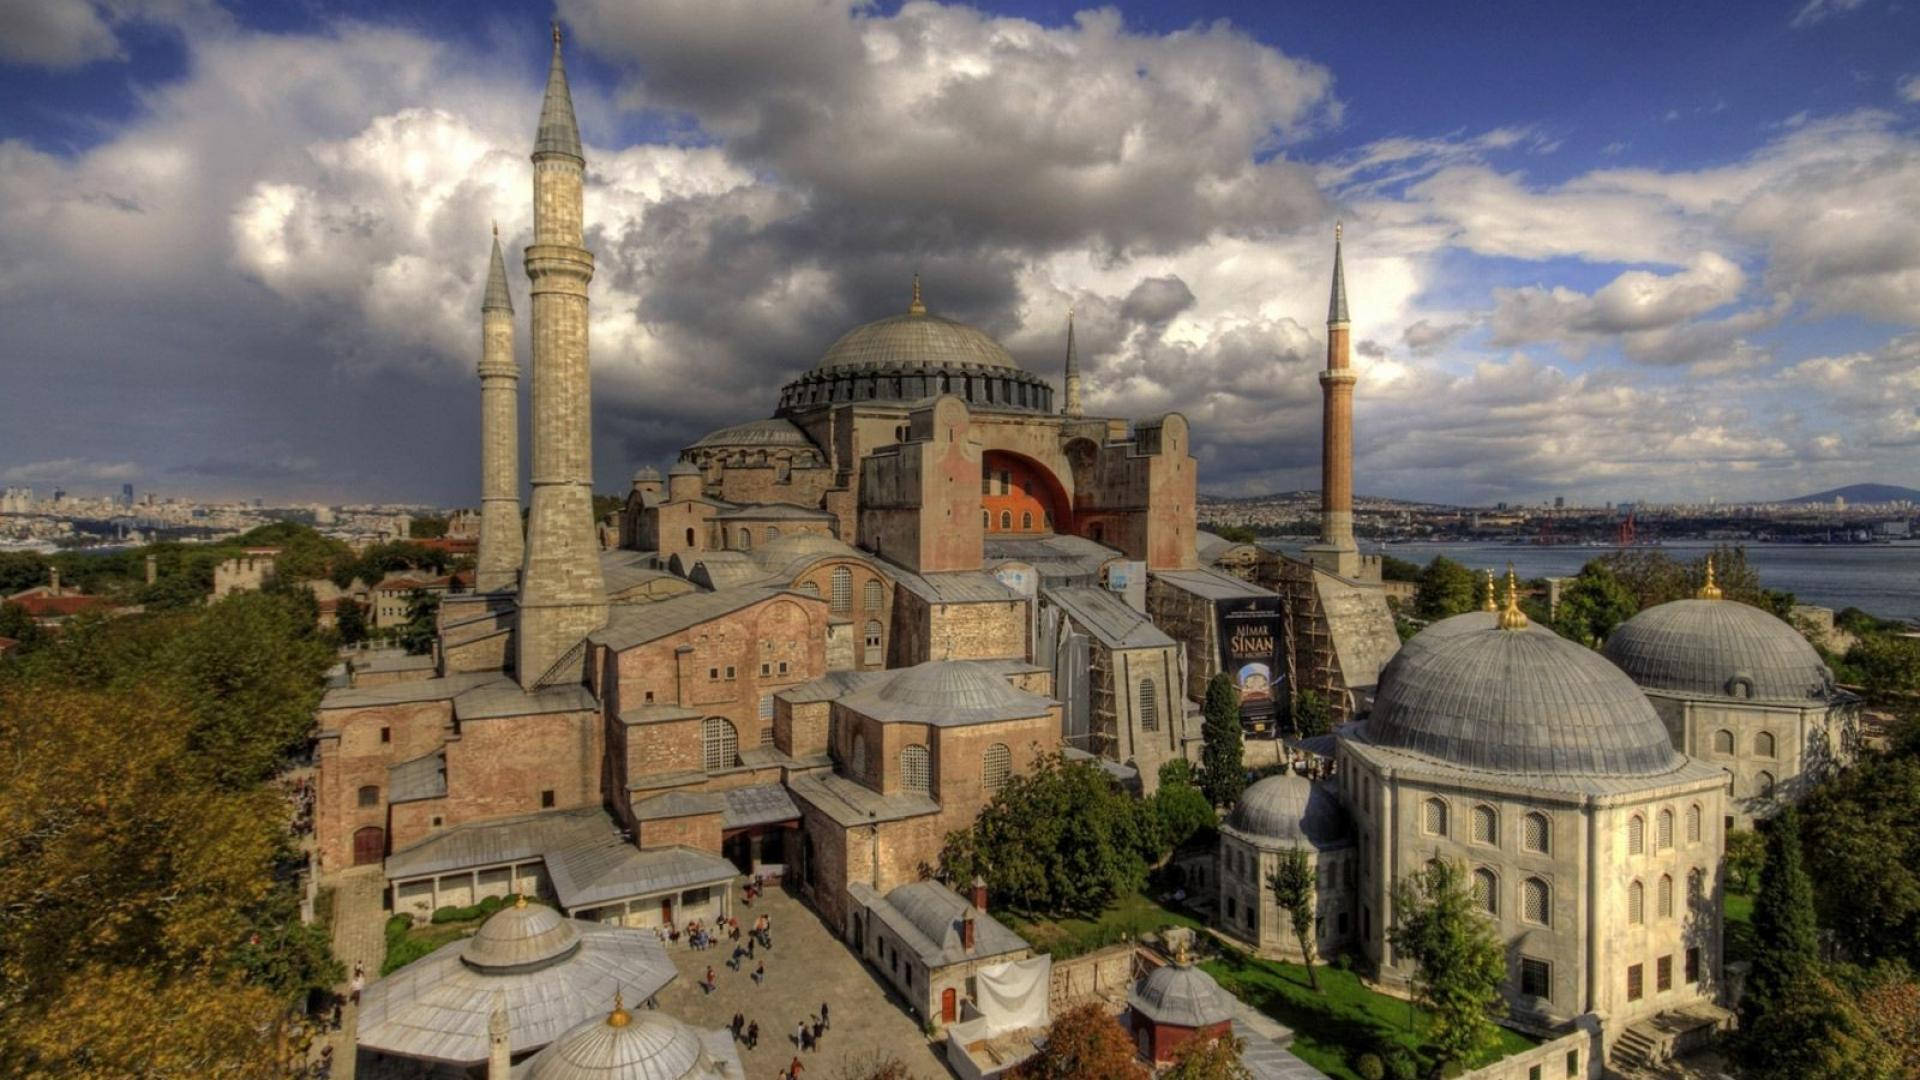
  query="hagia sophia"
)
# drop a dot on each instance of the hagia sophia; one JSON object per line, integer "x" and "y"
{"x": 824, "y": 639}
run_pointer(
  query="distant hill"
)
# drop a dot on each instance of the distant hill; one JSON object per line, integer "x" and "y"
{"x": 1860, "y": 493}
{"x": 1304, "y": 495}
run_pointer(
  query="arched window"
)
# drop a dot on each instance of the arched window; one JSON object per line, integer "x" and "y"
{"x": 1636, "y": 903}
{"x": 1763, "y": 785}
{"x": 719, "y": 744}
{"x": 859, "y": 753}
{"x": 1026, "y": 520}
{"x": 1693, "y": 823}
{"x": 1723, "y": 741}
{"x": 810, "y": 588}
{"x": 746, "y": 539}
{"x": 1536, "y": 833}
{"x": 870, "y": 595}
{"x": 996, "y": 767}
{"x": 690, "y": 538}
{"x": 773, "y": 533}
{"x": 1763, "y": 744}
{"x": 1666, "y": 829}
{"x": 1636, "y": 835}
{"x": 1486, "y": 825}
{"x": 914, "y": 770}
{"x": 842, "y": 590}
{"x": 873, "y": 636}
{"x": 1435, "y": 820}
{"x": 1006, "y": 520}
{"x": 369, "y": 796}
{"x": 1537, "y": 901}
{"x": 1664, "y": 897}
{"x": 1486, "y": 891}
{"x": 986, "y": 519}
{"x": 1149, "y": 707}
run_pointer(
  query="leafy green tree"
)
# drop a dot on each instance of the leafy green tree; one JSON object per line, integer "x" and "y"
{"x": 1311, "y": 715}
{"x": 1222, "y": 755}
{"x": 1815, "y": 1030}
{"x": 18, "y": 623}
{"x": 1291, "y": 884}
{"x": 1746, "y": 854}
{"x": 1862, "y": 848}
{"x": 1886, "y": 665}
{"x": 1651, "y": 575}
{"x": 1061, "y": 839}
{"x": 1236, "y": 534}
{"x": 1592, "y": 605}
{"x": 1392, "y": 569}
{"x": 1786, "y": 935}
{"x": 1181, "y": 808}
{"x": 418, "y": 632}
{"x": 350, "y": 620}
{"x": 1458, "y": 962}
{"x": 1209, "y": 1059}
{"x": 1446, "y": 588}
{"x": 21, "y": 570}
{"x": 172, "y": 592}
{"x": 427, "y": 527}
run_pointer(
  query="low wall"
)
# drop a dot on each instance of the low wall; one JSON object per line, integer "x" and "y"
{"x": 1575, "y": 1054}
{"x": 1103, "y": 973}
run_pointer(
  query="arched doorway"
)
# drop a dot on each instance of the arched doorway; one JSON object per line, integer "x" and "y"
{"x": 369, "y": 845}
{"x": 948, "y": 1006}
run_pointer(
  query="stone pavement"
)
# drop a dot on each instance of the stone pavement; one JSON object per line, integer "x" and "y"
{"x": 359, "y": 936}
{"x": 808, "y": 965}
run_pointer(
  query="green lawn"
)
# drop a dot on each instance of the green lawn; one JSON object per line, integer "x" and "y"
{"x": 1737, "y": 910}
{"x": 1334, "y": 1027}
{"x": 1129, "y": 917}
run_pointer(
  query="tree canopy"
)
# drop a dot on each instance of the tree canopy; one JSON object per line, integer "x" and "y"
{"x": 1209, "y": 1059}
{"x": 1459, "y": 963}
{"x": 1446, "y": 588}
{"x": 1593, "y": 604}
{"x": 1083, "y": 1043}
{"x": 1860, "y": 832}
{"x": 1786, "y": 936}
{"x": 1223, "y": 771}
{"x": 1291, "y": 884}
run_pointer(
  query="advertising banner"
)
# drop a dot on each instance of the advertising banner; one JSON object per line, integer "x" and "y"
{"x": 1250, "y": 655}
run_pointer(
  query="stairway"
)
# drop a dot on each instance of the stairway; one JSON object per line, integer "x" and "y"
{"x": 1634, "y": 1049}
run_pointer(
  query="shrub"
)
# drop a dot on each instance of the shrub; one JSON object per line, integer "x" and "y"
{"x": 1401, "y": 1066}
{"x": 1370, "y": 1067}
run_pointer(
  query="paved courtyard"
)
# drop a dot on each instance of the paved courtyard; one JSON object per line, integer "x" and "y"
{"x": 807, "y": 966}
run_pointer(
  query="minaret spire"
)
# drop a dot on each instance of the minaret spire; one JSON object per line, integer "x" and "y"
{"x": 563, "y": 596}
{"x": 1071, "y": 384}
{"x": 497, "y": 563}
{"x": 1336, "y": 552}
{"x": 916, "y": 307}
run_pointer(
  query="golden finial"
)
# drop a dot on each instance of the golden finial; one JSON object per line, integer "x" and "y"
{"x": 916, "y": 308}
{"x": 1489, "y": 603}
{"x": 1511, "y": 617}
{"x": 1709, "y": 591}
{"x": 520, "y": 901}
{"x": 619, "y": 1017}
{"x": 556, "y": 33}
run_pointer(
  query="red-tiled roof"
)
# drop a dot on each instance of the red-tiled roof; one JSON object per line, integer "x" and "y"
{"x": 8, "y": 644}
{"x": 452, "y": 545}
{"x": 59, "y": 607}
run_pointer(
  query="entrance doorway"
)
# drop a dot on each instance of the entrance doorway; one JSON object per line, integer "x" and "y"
{"x": 369, "y": 845}
{"x": 947, "y": 1008}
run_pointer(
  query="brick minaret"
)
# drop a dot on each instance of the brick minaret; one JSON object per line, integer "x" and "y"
{"x": 501, "y": 547}
{"x": 562, "y": 595}
{"x": 1336, "y": 552}
{"x": 1071, "y": 384}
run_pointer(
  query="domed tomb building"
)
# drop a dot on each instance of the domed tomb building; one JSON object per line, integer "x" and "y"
{"x": 1591, "y": 843}
{"x": 1274, "y": 815}
{"x": 1740, "y": 689}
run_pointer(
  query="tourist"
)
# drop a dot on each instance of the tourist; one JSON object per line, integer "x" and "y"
{"x": 738, "y": 1023}
{"x": 711, "y": 983}
{"x": 806, "y": 1038}
{"x": 823, "y": 1015}
{"x": 819, "y": 1028}
{"x": 800, "y": 1036}
{"x": 760, "y": 973}
{"x": 753, "y": 1034}
{"x": 794, "y": 1070}
{"x": 734, "y": 960}
{"x": 750, "y": 944}
{"x": 359, "y": 983}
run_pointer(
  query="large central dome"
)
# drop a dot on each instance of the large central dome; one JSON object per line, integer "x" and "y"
{"x": 914, "y": 356}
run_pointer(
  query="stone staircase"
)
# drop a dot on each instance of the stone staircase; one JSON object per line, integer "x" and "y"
{"x": 1658, "y": 1039}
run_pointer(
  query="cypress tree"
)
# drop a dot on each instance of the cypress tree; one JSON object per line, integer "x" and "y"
{"x": 1223, "y": 771}
{"x": 1786, "y": 935}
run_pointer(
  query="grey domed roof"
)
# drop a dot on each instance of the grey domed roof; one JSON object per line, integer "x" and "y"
{"x": 1703, "y": 647}
{"x": 912, "y": 341}
{"x": 645, "y": 473}
{"x": 644, "y": 1045}
{"x": 776, "y": 431}
{"x": 520, "y": 936}
{"x": 1289, "y": 809}
{"x": 1182, "y": 994}
{"x": 945, "y": 693}
{"x": 1517, "y": 701}
{"x": 683, "y": 468}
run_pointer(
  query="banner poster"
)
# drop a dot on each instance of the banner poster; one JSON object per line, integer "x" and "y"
{"x": 1250, "y": 655}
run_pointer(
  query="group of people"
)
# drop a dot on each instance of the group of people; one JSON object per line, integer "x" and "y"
{"x": 806, "y": 1038}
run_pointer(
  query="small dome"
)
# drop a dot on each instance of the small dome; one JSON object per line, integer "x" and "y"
{"x": 1517, "y": 701}
{"x": 915, "y": 341}
{"x": 1719, "y": 648}
{"x": 683, "y": 468}
{"x": 646, "y": 474}
{"x": 646, "y": 1045}
{"x": 1290, "y": 809}
{"x": 521, "y": 937}
{"x": 1181, "y": 994}
{"x": 960, "y": 685}
{"x": 789, "y": 547}
{"x": 775, "y": 432}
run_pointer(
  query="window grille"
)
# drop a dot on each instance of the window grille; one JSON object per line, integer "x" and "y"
{"x": 1486, "y": 825}
{"x": 1665, "y": 896}
{"x": 1436, "y": 817}
{"x": 915, "y": 769}
{"x": 1538, "y": 834}
{"x": 1763, "y": 744}
{"x": 719, "y": 744}
{"x": 1486, "y": 891}
{"x": 1636, "y": 835}
{"x": 1538, "y": 901}
{"x": 1149, "y": 707}
{"x": 1666, "y": 829}
{"x": 870, "y": 595}
{"x": 996, "y": 767}
{"x": 1636, "y": 903}
{"x": 1693, "y": 824}
{"x": 842, "y": 590}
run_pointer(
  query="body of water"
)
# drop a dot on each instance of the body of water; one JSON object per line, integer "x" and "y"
{"x": 1876, "y": 578}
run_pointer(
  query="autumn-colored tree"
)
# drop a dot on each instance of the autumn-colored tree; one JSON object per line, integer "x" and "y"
{"x": 874, "y": 1065}
{"x": 1892, "y": 1001}
{"x": 1083, "y": 1043}
{"x": 1209, "y": 1059}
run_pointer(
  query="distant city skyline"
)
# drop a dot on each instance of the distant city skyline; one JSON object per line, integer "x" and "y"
{"x": 1623, "y": 254}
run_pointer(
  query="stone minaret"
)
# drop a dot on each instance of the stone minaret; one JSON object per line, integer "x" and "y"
{"x": 501, "y": 547}
{"x": 499, "y": 1042}
{"x": 1336, "y": 552}
{"x": 562, "y": 595}
{"x": 1070, "y": 386}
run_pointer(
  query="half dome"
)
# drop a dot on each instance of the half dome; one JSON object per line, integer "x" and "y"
{"x": 1719, "y": 648}
{"x": 1518, "y": 701}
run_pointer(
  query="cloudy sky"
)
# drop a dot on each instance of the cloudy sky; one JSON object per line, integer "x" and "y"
{"x": 1625, "y": 251}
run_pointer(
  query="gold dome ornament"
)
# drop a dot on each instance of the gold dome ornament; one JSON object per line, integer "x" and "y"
{"x": 1709, "y": 591}
{"x": 619, "y": 1017}
{"x": 1511, "y": 617}
{"x": 917, "y": 307}
{"x": 1488, "y": 603}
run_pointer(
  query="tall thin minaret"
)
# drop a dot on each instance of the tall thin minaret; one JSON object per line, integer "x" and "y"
{"x": 562, "y": 595}
{"x": 1336, "y": 551}
{"x": 502, "y": 548}
{"x": 1071, "y": 384}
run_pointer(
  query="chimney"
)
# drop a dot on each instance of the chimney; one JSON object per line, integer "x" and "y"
{"x": 966, "y": 930}
{"x": 979, "y": 894}
{"x": 53, "y": 581}
{"x": 153, "y": 569}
